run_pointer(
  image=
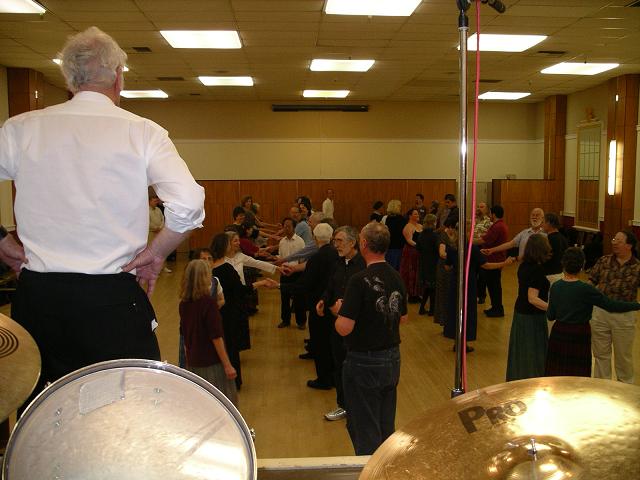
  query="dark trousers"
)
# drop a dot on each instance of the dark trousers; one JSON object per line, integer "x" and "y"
{"x": 482, "y": 283}
{"x": 78, "y": 319}
{"x": 494, "y": 285}
{"x": 429, "y": 293}
{"x": 320, "y": 346}
{"x": 339, "y": 353}
{"x": 287, "y": 297}
{"x": 370, "y": 381}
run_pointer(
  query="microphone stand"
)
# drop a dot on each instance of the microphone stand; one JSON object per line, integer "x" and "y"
{"x": 461, "y": 343}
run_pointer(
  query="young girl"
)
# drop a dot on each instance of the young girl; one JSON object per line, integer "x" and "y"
{"x": 201, "y": 328}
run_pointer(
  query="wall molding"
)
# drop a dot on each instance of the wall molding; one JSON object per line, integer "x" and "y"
{"x": 351, "y": 140}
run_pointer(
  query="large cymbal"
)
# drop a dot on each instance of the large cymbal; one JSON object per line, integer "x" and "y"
{"x": 582, "y": 428}
{"x": 19, "y": 366}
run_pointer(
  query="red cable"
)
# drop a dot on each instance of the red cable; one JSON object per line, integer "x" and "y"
{"x": 473, "y": 200}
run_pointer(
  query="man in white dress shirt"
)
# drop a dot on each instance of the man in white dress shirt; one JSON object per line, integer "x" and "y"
{"x": 81, "y": 171}
{"x": 290, "y": 244}
{"x": 327, "y": 205}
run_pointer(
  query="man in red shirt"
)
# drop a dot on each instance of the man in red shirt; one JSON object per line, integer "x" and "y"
{"x": 496, "y": 235}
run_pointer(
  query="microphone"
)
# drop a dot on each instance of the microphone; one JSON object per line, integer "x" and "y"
{"x": 497, "y": 5}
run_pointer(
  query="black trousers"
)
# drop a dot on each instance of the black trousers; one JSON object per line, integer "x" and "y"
{"x": 493, "y": 279}
{"x": 482, "y": 283}
{"x": 339, "y": 353}
{"x": 287, "y": 296}
{"x": 78, "y": 319}
{"x": 320, "y": 346}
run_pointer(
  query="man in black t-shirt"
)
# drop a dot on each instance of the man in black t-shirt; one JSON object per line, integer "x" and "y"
{"x": 558, "y": 242}
{"x": 374, "y": 305}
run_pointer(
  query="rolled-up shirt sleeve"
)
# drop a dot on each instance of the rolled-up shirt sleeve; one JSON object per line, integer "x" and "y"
{"x": 167, "y": 172}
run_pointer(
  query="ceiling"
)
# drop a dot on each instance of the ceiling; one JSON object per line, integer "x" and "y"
{"x": 416, "y": 57}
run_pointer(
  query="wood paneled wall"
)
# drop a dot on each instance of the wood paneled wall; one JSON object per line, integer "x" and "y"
{"x": 353, "y": 199}
{"x": 621, "y": 127}
{"x": 519, "y": 197}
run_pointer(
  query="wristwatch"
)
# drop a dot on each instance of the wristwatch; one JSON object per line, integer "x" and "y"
{"x": 3, "y": 232}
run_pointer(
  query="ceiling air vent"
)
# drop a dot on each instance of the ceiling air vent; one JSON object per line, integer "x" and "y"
{"x": 170, "y": 79}
{"x": 489, "y": 80}
{"x": 634, "y": 4}
{"x": 319, "y": 108}
{"x": 141, "y": 49}
{"x": 552, "y": 53}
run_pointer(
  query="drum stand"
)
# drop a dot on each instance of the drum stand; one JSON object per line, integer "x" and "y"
{"x": 463, "y": 28}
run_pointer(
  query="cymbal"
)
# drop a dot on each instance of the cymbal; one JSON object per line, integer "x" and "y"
{"x": 19, "y": 366}
{"x": 543, "y": 428}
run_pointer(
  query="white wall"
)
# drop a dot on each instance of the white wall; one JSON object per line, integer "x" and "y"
{"x": 357, "y": 158}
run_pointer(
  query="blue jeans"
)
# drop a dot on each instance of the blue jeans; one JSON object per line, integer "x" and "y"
{"x": 370, "y": 380}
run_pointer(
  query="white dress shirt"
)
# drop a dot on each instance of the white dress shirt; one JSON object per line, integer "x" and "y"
{"x": 81, "y": 171}
{"x": 327, "y": 208}
{"x": 240, "y": 260}
{"x": 289, "y": 246}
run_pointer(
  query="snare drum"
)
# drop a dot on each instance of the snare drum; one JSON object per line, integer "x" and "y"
{"x": 130, "y": 420}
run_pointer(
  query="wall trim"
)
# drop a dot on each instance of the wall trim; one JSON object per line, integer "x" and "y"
{"x": 349, "y": 140}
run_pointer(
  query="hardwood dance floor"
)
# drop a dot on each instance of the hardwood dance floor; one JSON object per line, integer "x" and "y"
{"x": 288, "y": 416}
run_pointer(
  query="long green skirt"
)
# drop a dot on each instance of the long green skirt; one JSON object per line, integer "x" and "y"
{"x": 527, "y": 346}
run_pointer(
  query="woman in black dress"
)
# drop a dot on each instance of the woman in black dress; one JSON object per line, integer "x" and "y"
{"x": 427, "y": 246}
{"x": 395, "y": 222}
{"x": 233, "y": 312}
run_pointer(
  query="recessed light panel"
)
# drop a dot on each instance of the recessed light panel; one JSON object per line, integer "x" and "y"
{"x": 577, "y": 68}
{"x": 503, "y": 95}
{"x": 202, "y": 38}
{"x": 490, "y": 42}
{"x": 227, "y": 81}
{"x": 327, "y": 65}
{"x": 387, "y": 8}
{"x": 325, "y": 93}
{"x": 143, "y": 94}
{"x": 21, "y": 6}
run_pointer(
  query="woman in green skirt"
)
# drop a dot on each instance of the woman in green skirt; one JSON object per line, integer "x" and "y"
{"x": 528, "y": 338}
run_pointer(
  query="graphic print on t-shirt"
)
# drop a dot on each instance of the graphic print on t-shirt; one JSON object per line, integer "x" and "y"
{"x": 389, "y": 307}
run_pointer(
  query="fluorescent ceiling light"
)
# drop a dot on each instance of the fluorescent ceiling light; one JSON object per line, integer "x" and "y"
{"x": 143, "y": 94}
{"x": 58, "y": 61}
{"x": 503, "y": 95}
{"x": 613, "y": 160}
{"x": 325, "y": 93}
{"x": 503, "y": 43}
{"x": 577, "y": 68}
{"x": 21, "y": 6}
{"x": 327, "y": 65}
{"x": 389, "y": 8}
{"x": 202, "y": 38}
{"x": 227, "y": 81}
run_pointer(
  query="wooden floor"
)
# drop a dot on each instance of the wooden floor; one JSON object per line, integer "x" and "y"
{"x": 288, "y": 416}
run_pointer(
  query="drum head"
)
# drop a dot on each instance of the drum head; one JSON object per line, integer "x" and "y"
{"x": 130, "y": 420}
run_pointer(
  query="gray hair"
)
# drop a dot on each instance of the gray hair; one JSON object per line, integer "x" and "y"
{"x": 90, "y": 59}
{"x": 323, "y": 232}
{"x": 377, "y": 236}
{"x": 349, "y": 232}
{"x": 317, "y": 217}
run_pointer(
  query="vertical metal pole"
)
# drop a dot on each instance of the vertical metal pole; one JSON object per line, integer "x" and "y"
{"x": 463, "y": 27}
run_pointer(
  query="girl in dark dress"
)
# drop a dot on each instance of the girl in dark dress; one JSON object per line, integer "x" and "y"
{"x": 233, "y": 312}
{"x": 427, "y": 246}
{"x": 477, "y": 261}
{"x": 528, "y": 337}
{"x": 409, "y": 261}
{"x": 444, "y": 274}
{"x": 395, "y": 222}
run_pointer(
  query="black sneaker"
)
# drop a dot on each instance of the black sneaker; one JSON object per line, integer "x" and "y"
{"x": 318, "y": 385}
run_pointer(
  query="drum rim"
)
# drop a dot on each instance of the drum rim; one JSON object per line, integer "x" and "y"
{"x": 125, "y": 363}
